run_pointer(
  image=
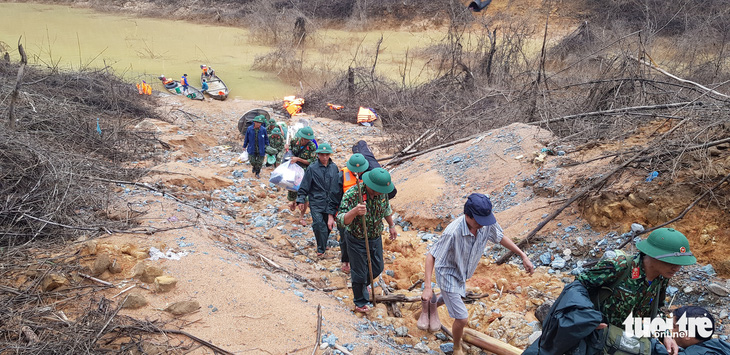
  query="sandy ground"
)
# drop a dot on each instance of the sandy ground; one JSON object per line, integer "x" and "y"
{"x": 225, "y": 222}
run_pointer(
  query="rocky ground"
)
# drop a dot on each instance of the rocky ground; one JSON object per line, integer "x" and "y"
{"x": 226, "y": 246}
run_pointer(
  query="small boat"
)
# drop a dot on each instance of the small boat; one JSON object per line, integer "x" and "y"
{"x": 217, "y": 89}
{"x": 176, "y": 88}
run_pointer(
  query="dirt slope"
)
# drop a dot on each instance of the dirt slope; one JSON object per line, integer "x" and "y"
{"x": 224, "y": 221}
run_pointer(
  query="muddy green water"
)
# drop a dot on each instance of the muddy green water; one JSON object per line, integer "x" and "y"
{"x": 143, "y": 48}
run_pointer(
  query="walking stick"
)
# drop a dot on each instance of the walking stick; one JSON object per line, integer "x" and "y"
{"x": 367, "y": 247}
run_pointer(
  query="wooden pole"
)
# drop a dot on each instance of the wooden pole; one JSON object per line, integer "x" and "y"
{"x": 16, "y": 90}
{"x": 489, "y": 344}
{"x": 367, "y": 246}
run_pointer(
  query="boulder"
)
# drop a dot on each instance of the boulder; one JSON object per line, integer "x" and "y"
{"x": 183, "y": 307}
{"x": 165, "y": 283}
{"x": 101, "y": 264}
{"x": 134, "y": 301}
{"x": 52, "y": 282}
{"x": 146, "y": 273}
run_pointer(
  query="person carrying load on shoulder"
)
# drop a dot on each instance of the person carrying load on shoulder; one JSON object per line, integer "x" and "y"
{"x": 361, "y": 214}
{"x": 255, "y": 143}
{"x": 319, "y": 187}
{"x": 349, "y": 175}
{"x": 620, "y": 287}
{"x": 454, "y": 258}
{"x": 276, "y": 141}
{"x": 303, "y": 150}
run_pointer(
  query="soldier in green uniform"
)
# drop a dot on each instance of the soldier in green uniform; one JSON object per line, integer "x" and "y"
{"x": 588, "y": 317}
{"x": 377, "y": 185}
{"x": 642, "y": 293}
{"x": 303, "y": 150}
{"x": 276, "y": 141}
{"x": 320, "y": 187}
{"x": 271, "y": 125}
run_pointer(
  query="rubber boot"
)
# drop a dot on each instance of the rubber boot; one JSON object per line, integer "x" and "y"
{"x": 423, "y": 321}
{"x": 434, "y": 324}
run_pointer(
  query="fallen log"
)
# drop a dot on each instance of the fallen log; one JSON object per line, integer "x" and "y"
{"x": 397, "y": 297}
{"x": 490, "y": 344}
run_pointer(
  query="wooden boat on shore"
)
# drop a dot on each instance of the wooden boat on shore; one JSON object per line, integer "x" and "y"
{"x": 176, "y": 88}
{"x": 217, "y": 89}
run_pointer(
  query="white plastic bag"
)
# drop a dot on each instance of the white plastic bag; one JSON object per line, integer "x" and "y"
{"x": 243, "y": 157}
{"x": 287, "y": 175}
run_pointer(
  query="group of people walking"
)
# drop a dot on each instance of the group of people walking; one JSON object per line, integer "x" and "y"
{"x": 588, "y": 316}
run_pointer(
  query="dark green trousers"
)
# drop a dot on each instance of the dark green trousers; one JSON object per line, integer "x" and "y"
{"x": 321, "y": 230}
{"x": 256, "y": 162}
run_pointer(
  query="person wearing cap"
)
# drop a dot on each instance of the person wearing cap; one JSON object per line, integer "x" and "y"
{"x": 271, "y": 125}
{"x": 319, "y": 187}
{"x": 642, "y": 292}
{"x": 276, "y": 141}
{"x": 255, "y": 143}
{"x": 303, "y": 150}
{"x": 350, "y": 175}
{"x": 455, "y": 257}
{"x": 375, "y": 188}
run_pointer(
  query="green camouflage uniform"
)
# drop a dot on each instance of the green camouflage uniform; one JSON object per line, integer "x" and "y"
{"x": 271, "y": 127}
{"x": 631, "y": 295}
{"x": 306, "y": 152}
{"x": 378, "y": 207}
{"x": 277, "y": 142}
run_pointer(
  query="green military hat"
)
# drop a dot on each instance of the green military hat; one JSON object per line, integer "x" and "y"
{"x": 276, "y": 130}
{"x": 357, "y": 163}
{"x": 667, "y": 245}
{"x": 306, "y": 133}
{"x": 324, "y": 148}
{"x": 378, "y": 179}
{"x": 272, "y": 121}
{"x": 259, "y": 119}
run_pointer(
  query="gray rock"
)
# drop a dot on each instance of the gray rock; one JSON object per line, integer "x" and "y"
{"x": 580, "y": 241}
{"x": 671, "y": 290}
{"x": 723, "y": 314}
{"x": 708, "y": 269}
{"x": 401, "y": 332}
{"x": 558, "y": 263}
{"x": 447, "y": 347}
{"x": 421, "y": 347}
{"x": 545, "y": 258}
{"x": 542, "y": 310}
{"x": 441, "y": 336}
{"x": 637, "y": 228}
{"x": 718, "y": 290}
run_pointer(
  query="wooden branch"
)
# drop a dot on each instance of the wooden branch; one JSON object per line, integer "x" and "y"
{"x": 292, "y": 274}
{"x": 299, "y": 249}
{"x": 600, "y": 181}
{"x": 413, "y": 155}
{"x": 679, "y": 216}
{"x": 489, "y": 344}
{"x": 678, "y": 78}
{"x": 16, "y": 90}
{"x": 342, "y": 349}
{"x": 173, "y": 331}
{"x": 618, "y": 110}
{"x": 397, "y": 297}
{"x": 392, "y": 306}
{"x": 96, "y": 280}
{"x": 319, "y": 329}
{"x": 123, "y": 291}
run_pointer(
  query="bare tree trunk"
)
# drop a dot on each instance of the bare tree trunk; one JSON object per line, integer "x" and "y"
{"x": 16, "y": 90}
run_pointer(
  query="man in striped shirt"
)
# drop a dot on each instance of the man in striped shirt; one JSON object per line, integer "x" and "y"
{"x": 455, "y": 257}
